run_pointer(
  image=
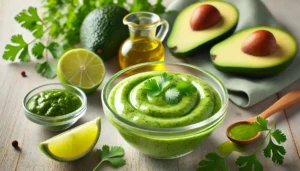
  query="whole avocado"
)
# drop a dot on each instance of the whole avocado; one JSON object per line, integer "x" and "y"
{"x": 103, "y": 31}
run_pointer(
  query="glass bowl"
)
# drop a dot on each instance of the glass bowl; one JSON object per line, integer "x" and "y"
{"x": 55, "y": 123}
{"x": 165, "y": 143}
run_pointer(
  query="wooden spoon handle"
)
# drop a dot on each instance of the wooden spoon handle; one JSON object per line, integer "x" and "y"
{"x": 286, "y": 101}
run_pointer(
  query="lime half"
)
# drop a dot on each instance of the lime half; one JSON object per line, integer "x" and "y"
{"x": 81, "y": 68}
{"x": 73, "y": 144}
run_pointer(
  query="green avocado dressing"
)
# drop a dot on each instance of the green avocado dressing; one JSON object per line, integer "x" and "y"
{"x": 228, "y": 147}
{"x": 130, "y": 100}
{"x": 54, "y": 103}
{"x": 243, "y": 131}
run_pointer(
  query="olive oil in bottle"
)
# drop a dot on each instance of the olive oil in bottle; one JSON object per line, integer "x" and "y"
{"x": 143, "y": 45}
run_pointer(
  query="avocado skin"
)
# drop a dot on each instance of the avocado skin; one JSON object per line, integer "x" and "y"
{"x": 206, "y": 46}
{"x": 255, "y": 72}
{"x": 103, "y": 31}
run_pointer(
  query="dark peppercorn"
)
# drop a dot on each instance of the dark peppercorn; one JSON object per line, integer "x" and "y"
{"x": 23, "y": 73}
{"x": 15, "y": 144}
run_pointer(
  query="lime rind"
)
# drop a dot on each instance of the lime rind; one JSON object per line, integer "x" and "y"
{"x": 44, "y": 145}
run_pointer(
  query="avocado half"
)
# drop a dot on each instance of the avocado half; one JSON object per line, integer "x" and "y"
{"x": 227, "y": 56}
{"x": 184, "y": 42}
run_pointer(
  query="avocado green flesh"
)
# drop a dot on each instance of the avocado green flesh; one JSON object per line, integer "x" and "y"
{"x": 227, "y": 55}
{"x": 183, "y": 41}
{"x": 103, "y": 31}
{"x": 54, "y": 103}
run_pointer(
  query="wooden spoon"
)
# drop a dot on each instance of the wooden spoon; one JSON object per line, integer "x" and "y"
{"x": 283, "y": 103}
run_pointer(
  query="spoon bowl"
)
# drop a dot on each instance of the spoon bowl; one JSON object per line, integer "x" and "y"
{"x": 241, "y": 141}
{"x": 285, "y": 102}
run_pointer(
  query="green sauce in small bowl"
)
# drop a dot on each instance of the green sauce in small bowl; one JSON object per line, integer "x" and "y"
{"x": 54, "y": 103}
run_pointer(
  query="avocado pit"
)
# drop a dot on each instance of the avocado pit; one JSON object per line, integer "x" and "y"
{"x": 213, "y": 57}
{"x": 260, "y": 43}
{"x": 205, "y": 16}
{"x": 175, "y": 49}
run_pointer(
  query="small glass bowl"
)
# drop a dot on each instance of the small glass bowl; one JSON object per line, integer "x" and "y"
{"x": 165, "y": 143}
{"x": 56, "y": 123}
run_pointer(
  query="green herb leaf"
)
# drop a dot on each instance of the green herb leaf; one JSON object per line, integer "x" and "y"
{"x": 55, "y": 29}
{"x": 55, "y": 49}
{"x": 279, "y": 136}
{"x": 261, "y": 123}
{"x": 30, "y": 20}
{"x": 117, "y": 162}
{"x": 172, "y": 96}
{"x": 121, "y": 3}
{"x": 141, "y": 5}
{"x": 274, "y": 151}
{"x": 214, "y": 163}
{"x": 12, "y": 50}
{"x": 186, "y": 88}
{"x": 251, "y": 163}
{"x": 152, "y": 88}
{"x": 46, "y": 69}
{"x": 38, "y": 50}
{"x": 158, "y": 8}
{"x": 164, "y": 80}
{"x": 101, "y": 3}
{"x": 113, "y": 155}
{"x": 24, "y": 55}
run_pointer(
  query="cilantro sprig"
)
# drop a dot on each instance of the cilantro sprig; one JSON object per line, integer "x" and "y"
{"x": 214, "y": 163}
{"x": 250, "y": 162}
{"x": 113, "y": 155}
{"x": 61, "y": 23}
{"x": 172, "y": 94}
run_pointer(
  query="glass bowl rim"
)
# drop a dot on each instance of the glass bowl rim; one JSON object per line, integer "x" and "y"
{"x": 80, "y": 109}
{"x": 210, "y": 120}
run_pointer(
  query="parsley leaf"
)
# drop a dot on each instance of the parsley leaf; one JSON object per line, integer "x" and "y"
{"x": 121, "y": 2}
{"x": 152, "y": 88}
{"x": 251, "y": 163}
{"x": 261, "y": 123}
{"x": 30, "y": 20}
{"x": 214, "y": 163}
{"x": 55, "y": 49}
{"x": 279, "y": 136}
{"x": 158, "y": 8}
{"x": 24, "y": 55}
{"x": 104, "y": 2}
{"x": 186, "y": 88}
{"x": 113, "y": 156}
{"x": 276, "y": 150}
{"x": 46, "y": 69}
{"x": 12, "y": 51}
{"x": 172, "y": 96}
{"x": 38, "y": 50}
{"x": 164, "y": 80}
{"x": 140, "y": 5}
{"x": 55, "y": 29}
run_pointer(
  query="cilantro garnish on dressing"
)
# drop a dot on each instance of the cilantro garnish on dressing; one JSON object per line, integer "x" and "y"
{"x": 172, "y": 94}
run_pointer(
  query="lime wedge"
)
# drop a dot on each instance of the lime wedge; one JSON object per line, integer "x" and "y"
{"x": 81, "y": 68}
{"x": 74, "y": 143}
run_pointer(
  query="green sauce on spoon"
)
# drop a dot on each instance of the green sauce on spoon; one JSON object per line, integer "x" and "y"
{"x": 243, "y": 131}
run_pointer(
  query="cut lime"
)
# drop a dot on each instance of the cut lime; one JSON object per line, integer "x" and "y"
{"x": 73, "y": 144}
{"x": 81, "y": 68}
